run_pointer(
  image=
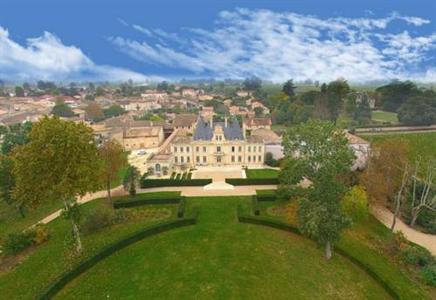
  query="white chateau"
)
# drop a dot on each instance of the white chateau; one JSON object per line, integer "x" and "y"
{"x": 210, "y": 144}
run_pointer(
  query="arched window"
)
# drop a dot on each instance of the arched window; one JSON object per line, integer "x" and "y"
{"x": 157, "y": 167}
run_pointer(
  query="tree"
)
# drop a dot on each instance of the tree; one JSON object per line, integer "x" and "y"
{"x": 362, "y": 114}
{"x": 112, "y": 155}
{"x": 19, "y": 91}
{"x": 355, "y": 204}
{"x": 131, "y": 179}
{"x": 18, "y": 134}
{"x": 336, "y": 92}
{"x": 61, "y": 109}
{"x": 422, "y": 195}
{"x": 289, "y": 88}
{"x": 417, "y": 111}
{"x": 113, "y": 111}
{"x": 319, "y": 152}
{"x": 394, "y": 94}
{"x": 320, "y": 216}
{"x": 94, "y": 112}
{"x": 252, "y": 84}
{"x": 59, "y": 163}
{"x": 383, "y": 176}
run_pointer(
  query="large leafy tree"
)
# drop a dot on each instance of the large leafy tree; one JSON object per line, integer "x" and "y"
{"x": 336, "y": 91}
{"x": 394, "y": 94}
{"x": 112, "y": 155}
{"x": 60, "y": 162}
{"x": 94, "y": 112}
{"x": 17, "y": 134}
{"x": 131, "y": 179}
{"x": 418, "y": 111}
{"x": 319, "y": 152}
{"x": 289, "y": 88}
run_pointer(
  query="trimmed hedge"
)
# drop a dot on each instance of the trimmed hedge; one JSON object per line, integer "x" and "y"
{"x": 342, "y": 251}
{"x": 181, "y": 208}
{"x": 255, "y": 205}
{"x": 252, "y": 181}
{"x": 266, "y": 195}
{"x": 148, "y": 183}
{"x": 140, "y": 202}
{"x": 68, "y": 276}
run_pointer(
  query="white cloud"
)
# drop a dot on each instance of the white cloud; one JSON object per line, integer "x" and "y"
{"x": 278, "y": 46}
{"x": 47, "y": 58}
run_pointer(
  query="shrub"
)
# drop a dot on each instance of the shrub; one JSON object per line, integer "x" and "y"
{"x": 98, "y": 219}
{"x": 266, "y": 195}
{"x": 147, "y": 183}
{"x": 178, "y": 176}
{"x": 355, "y": 204}
{"x": 416, "y": 256}
{"x": 252, "y": 181}
{"x": 255, "y": 206}
{"x": 173, "y": 174}
{"x": 41, "y": 235}
{"x": 428, "y": 274}
{"x": 181, "y": 208}
{"x": 17, "y": 242}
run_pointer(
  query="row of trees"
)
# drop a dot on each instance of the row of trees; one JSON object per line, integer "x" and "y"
{"x": 58, "y": 161}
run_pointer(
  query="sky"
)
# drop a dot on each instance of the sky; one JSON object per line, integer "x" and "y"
{"x": 108, "y": 40}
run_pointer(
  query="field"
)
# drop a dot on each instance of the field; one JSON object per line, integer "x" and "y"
{"x": 384, "y": 116}
{"x": 261, "y": 173}
{"x": 218, "y": 258}
{"x": 422, "y": 145}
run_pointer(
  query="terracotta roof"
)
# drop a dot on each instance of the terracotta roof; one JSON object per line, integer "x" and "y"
{"x": 142, "y": 132}
{"x": 258, "y": 122}
{"x": 267, "y": 135}
{"x": 184, "y": 120}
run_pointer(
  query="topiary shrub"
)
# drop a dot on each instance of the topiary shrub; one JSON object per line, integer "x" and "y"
{"x": 428, "y": 274}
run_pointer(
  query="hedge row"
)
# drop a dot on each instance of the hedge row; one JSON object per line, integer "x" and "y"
{"x": 148, "y": 183}
{"x": 243, "y": 218}
{"x": 68, "y": 276}
{"x": 140, "y": 202}
{"x": 266, "y": 197}
{"x": 252, "y": 181}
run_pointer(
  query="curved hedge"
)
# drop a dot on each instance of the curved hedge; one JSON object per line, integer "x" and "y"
{"x": 148, "y": 183}
{"x": 287, "y": 227}
{"x": 139, "y": 202}
{"x": 252, "y": 181}
{"x": 88, "y": 263}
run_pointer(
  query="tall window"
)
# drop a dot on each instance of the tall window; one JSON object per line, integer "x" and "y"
{"x": 204, "y": 159}
{"x": 260, "y": 158}
{"x": 176, "y": 160}
{"x": 233, "y": 148}
{"x": 188, "y": 159}
{"x": 187, "y": 149}
{"x": 204, "y": 148}
{"x": 233, "y": 158}
{"x": 240, "y": 149}
{"x": 181, "y": 149}
{"x": 175, "y": 149}
{"x": 182, "y": 160}
{"x": 218, "y": 149}
{"x": 249, "y": 158}
{"x": 198, "y": 159}
{"x": 249, "y": 148}
{"x": 218, "y": 159}
{"x": 254, "y": 148}
{"x": 198, "y": 149}
{"x": 239, "y": 158}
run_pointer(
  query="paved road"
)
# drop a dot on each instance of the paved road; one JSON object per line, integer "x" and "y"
{"x": 425, "y": 240}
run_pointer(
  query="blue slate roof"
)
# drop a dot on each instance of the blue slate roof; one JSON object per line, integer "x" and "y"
{"x": 203, "y": 130}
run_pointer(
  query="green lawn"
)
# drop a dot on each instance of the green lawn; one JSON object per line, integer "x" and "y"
{"x": 50, "y": 259}
{"x": 11, "y": 220}
{"x": 422, "y": 145}
{"x": 384, "y": 116}
{"x": 261, "y": 173}
{"x": 219, "y": 258}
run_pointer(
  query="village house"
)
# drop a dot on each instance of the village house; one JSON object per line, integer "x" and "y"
{"x": 257, "y": 123}
{"x": 143, "y": 137}
{"x": 185, "y": 122}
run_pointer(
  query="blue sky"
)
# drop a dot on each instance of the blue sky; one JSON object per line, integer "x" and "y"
{"x": 275, "y": 40}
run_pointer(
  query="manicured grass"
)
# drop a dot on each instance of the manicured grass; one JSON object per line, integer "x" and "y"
{"x": 51, "y": 259}
{"x": 219, "y": 258}
{"x": 422, "y": 145}
{"x": 384, "y": 116}
{"x": 11, "y": 220}
{"x": 261, "y": 173}
{"x": 371, "y": 242}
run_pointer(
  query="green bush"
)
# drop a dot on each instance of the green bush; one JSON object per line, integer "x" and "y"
{"x": 17, "y": 242}
{"x": 178, "y": 176}
{"x": 173, "y": 174}
{"x": 99, "y": 218}
{"x": 148, "y": 183}
{"x": 255, "y": 206}
{"x": 428, "y": 274}
{"x": 416, "y": 256}
{"x": 181, "y": 208}
{"x": 252, "y": 181}
{"x": 266, "y": 195}
{"x": 145, "y": 201}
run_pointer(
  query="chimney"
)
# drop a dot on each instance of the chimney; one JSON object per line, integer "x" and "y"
{"x": 211, "y": 122}
{"x": 225, "y": 121}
